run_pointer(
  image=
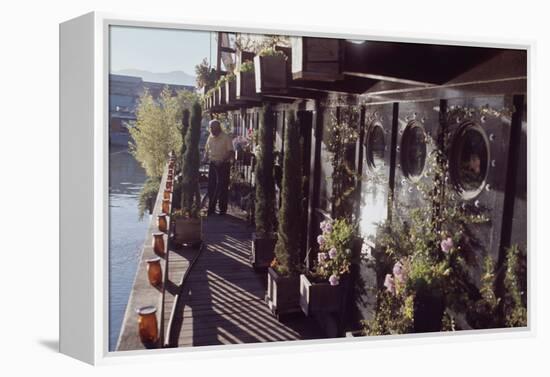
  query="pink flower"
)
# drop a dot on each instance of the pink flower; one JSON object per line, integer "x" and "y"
{"x": 328, "y": 228}
{"x": 447, "y": 245}
{"x": 334, "y": 280}
{"x": 321, "y": 257}
{"x": 332, "y": 252}
{"x": 389, "y": 283}
{"x": 320, "y": 240}
{"x": 399, "y": 272}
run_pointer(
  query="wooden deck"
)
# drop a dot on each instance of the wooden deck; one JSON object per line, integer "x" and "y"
{"x": 222, "y": 299}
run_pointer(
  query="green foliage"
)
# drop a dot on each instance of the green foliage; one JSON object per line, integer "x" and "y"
{"x": 425, "y": 254}
{"x": 190, "y": 196}
{"x": 148, "y": 195}
{"x": 271, "y": 51}
{"x": 483, "y": 313}
{"x": 184, "y": 129}
{"x": 335, "y": 244}
{"x": 265, "y": 181}
{"x": 247, "y": 66}
{"x": 515, "y": 308}
{"x": 287, "y": 249}
{"x": 394, "y": 315}
{"x": 206, "y": 76}
{"x": 341, "y": 137}
{"x": 156, "y": 132}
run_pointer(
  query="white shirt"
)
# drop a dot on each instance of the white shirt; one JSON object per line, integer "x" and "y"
{"x": 217, "y": 148}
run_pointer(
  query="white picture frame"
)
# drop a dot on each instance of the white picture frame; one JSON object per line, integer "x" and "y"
{"x": 84, "y": 54}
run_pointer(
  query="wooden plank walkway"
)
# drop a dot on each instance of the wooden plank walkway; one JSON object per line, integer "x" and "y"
{"x": 222, "y": 298}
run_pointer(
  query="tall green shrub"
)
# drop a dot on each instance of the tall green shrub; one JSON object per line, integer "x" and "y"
{"x": 287, "y": 249}
{"x": 265, "y": 182}
{"x": 184, "y": 129}
{"x": 190, "y": 195}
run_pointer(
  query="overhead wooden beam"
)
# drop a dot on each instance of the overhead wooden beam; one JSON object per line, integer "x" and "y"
{"x": 412, "y": 63}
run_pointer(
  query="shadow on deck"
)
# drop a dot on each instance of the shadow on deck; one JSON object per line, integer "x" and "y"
{"x": 222, "y": 298}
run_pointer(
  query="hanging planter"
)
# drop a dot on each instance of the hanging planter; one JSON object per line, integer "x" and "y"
{"x": 246, "y": 83}
{"x": 319, "y": 59}
{"x": 230, "y": 90}
{"x": 271, "y": 72}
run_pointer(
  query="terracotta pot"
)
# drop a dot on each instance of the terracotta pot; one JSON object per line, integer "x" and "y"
{"x": 148, "y": 325}
{"x": 158, "y": 244}
{"x": 162, "y": 223}
{"x": 154, "y": 271}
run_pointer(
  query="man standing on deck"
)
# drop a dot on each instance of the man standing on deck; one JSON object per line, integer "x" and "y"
{"x": 219, "y": 152}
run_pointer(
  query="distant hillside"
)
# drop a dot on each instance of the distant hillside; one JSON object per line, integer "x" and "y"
{"x": 175, "y": 77}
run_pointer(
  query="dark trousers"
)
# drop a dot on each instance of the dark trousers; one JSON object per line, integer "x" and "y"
{"x": 218, "y": 185}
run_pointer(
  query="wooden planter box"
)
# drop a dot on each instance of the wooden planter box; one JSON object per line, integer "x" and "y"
{"x": 319, "y": 59}
{"x": 320, "y": 297}
{"x": 231, "y": 92}
{"x": 188, "y": 231}
{"x": 246, "y": 87}
{"x": 271, "y": 74}
{"x": 283, "y": 293}
{"x": 262, "y": 252}
{"x": 428, "y": 312}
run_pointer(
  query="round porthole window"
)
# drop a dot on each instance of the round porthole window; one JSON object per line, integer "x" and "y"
{"x": 469, "y": 159}
{"x": 413, "y": 151}
{"x": 376, "y": 146}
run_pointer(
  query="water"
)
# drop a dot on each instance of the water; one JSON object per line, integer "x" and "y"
{"x": 127, "y": 233}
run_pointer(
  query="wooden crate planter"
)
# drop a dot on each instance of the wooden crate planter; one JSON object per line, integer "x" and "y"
{"x": 271, "y": 74}
{"x": 262, "y": 251}
{"x": 246, "y": 87}
{"x": 428, "y": 312}
{"x": 283, "y": 293}
{"x": 319, "y": 59}
{"x": 188, "y": 231}
{"x": 320, "y": 297}
{"x": 231, "y": 92}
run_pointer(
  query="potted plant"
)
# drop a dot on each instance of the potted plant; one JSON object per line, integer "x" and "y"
{"x": 246, "y": 82}
{"x": 188, "y": 219}
{"x": 243, "y": 152}
{"x": 230, "y": 88}
{"x": 325, "y": 288}
{"x": 271, "y": 71}
{"x": 263, "y": 240}
{"x": 283, "y": 294}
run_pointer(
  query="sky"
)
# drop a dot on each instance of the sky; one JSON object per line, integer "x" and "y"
{"x": 159, "y": 50}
